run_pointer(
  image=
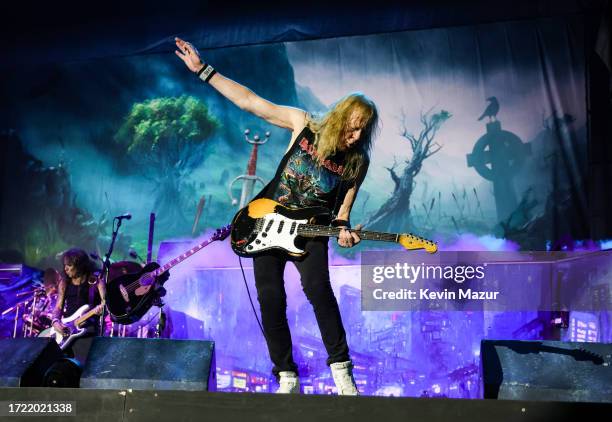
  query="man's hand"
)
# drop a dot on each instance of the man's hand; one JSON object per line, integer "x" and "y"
{"x": 162, "y": 278}
{"x": 61, "y": 328}
{"x": 188, "y": 54}
{"x": 349, "y": 238}
{"x": 99, "y": 309}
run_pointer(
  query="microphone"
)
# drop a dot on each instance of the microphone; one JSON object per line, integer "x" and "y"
{"x": 134, "y": 254}
{"x": 126, "y": 216}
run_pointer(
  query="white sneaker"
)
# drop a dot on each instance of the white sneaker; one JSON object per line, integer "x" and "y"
{"x": 289, "y": 383}
{"x": 343, "y": 377}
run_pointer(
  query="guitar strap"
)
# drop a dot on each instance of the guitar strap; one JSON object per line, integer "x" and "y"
{"x": 92, "y": 293}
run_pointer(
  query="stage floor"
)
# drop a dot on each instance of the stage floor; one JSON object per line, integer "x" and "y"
{"x": 125, "y": 405}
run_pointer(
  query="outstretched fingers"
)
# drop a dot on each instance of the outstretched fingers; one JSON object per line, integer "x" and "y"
{"x": 188, "y": 54}
{"x": 180, "y": 45}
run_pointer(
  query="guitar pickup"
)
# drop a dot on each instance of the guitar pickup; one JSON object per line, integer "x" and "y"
{"x": 280, "y": 226}
{"x": 269, "y": 226}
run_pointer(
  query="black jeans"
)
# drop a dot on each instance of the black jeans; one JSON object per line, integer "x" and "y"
{"x": 79, "y": 349}
{"x": 314, "y": 273}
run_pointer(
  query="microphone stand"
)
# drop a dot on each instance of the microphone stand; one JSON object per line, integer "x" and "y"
{"x": 16, "y": 309}
{"x": 106, "y": 270}
{"x": 161, "y": 323}
{"x": 17, "y": 318}
{"x": 31, "y": 325}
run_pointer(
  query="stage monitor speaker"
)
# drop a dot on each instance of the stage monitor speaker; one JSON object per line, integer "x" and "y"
{"x": 150, "y": 364}
{"x": 24, "y": 361}
{"x": 65, "y": 373}
{"x": 546, "y": 370}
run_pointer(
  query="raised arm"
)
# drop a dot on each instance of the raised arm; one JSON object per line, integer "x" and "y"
{"x": 286, "y": 117}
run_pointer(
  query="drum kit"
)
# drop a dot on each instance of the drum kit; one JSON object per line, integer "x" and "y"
{"x": 35, "y": 308}
{"x": 33, "y": 314}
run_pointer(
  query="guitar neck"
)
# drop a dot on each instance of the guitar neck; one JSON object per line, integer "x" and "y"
{"x": 407, "y": 240}
{"x": 314, "y": 230}
{"x": 85, "y": 317}
{"x": 181, "y": 258}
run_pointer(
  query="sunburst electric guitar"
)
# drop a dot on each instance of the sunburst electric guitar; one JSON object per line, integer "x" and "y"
{"x": 264, "y": 225}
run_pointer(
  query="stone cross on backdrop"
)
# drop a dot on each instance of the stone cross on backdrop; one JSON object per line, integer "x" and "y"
{"x": 498, "y": 156}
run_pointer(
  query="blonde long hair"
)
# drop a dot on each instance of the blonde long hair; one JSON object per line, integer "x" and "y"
{"x": 330, "y": 129}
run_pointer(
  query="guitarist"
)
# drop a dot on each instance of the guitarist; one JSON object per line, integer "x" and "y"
{"x": 324, "y": 165}
{"x": 79, "y": 286}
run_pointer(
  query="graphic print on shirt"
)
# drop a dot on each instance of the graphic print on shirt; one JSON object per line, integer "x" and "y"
{"x": 303, "y": 183}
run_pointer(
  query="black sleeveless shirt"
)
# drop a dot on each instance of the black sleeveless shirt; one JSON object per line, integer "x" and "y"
{"x": 301, "y": 181}
{"x": 77, "y": 296}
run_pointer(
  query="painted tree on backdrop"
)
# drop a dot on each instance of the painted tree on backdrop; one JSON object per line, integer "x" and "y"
{"x": 394, "y": 214}
{"x": 166, "y": 140}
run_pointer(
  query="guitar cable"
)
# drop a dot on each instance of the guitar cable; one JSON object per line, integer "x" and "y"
{"x": 250, "y": 298}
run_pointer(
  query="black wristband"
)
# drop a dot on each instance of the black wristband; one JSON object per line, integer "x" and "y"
{"x": 210, "y": 75}
{"x": 338, "y": 223}
{"x": 206, "y": 72}
{"x": 199, "y": 72}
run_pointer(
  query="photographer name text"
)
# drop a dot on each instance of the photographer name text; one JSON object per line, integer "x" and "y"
{"x": 428, "y": 294}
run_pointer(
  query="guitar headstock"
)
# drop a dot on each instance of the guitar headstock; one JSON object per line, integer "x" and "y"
{"x": 222, "y": 233}
{"x": 410, "y": 242}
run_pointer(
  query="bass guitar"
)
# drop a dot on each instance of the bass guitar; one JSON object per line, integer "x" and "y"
{"x": 265, "y": 225}
{"x": 130, "y": 296}
{"x": 73, "y": 328}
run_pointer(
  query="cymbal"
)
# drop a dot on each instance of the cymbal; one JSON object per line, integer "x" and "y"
{"x": 51, "y": 276}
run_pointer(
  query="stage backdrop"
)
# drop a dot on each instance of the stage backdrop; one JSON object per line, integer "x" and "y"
{"x": 483, "y": 139}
